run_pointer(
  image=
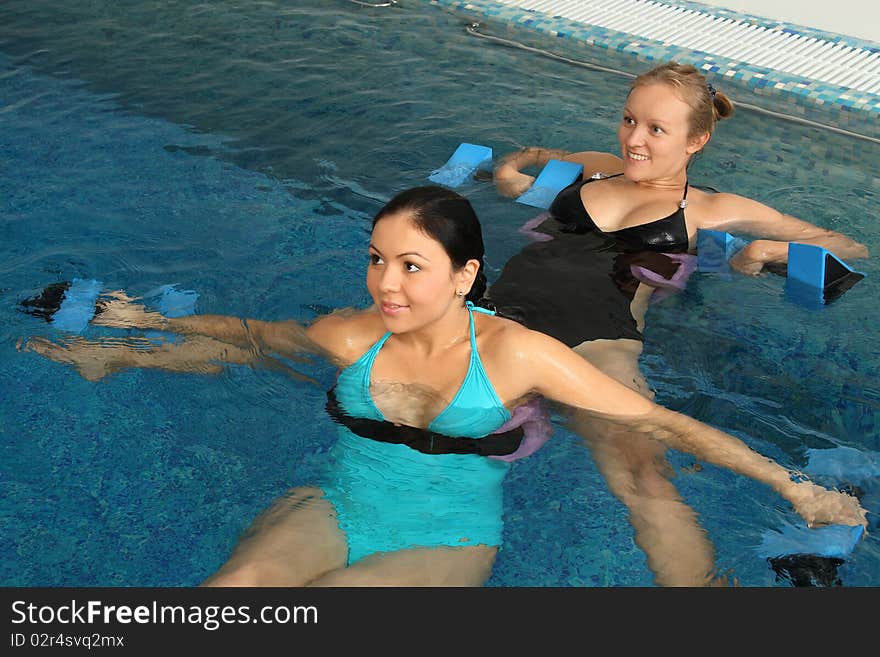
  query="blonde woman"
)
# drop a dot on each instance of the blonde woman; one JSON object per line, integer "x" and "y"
{"x": 612, "y": 239}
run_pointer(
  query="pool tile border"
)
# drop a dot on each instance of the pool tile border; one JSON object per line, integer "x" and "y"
{"x": 826, "y": 103}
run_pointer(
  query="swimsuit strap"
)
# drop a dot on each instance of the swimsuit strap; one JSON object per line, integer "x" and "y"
{"x": 599, "y": 175}
{"x": 473, "y": 335}
{"x": 366, "y": 361}
{"x": 471, "y": 309}
{"x": 471, "y": 330}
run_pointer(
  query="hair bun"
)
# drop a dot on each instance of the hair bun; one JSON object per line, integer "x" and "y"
{"x": 723, "y": 105}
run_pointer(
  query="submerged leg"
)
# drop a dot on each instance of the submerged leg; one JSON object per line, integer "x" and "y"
{"x": 438, "y": 566}
{"x": 95, "y": 359}
{"x": 291, "y": 543}
{"x": 678, "y": 550}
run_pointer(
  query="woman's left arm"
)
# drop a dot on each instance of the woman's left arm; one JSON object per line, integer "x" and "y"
{"x": 558, "y": 373}
{"x": 773, "y": 230}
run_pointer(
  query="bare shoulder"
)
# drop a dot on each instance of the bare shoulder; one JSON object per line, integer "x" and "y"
{"x": 505, "y": 349}
{"x": 596, "y": 162}
{"x": 508, "y": 345}
{"x": 723, "y": 210}
{"x": 497, "y": 335}
{"x": 709, "y": 201}
{"x": 347, "y": 332}
{"x": 521, "y": 361}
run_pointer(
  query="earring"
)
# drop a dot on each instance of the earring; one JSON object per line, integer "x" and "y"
{"x": 459, "y": 293}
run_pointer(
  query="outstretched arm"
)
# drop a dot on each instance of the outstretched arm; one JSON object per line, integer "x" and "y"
{"x": 95, "y": 359}
{"x": 511, "y": 181}
{"x": 558, "y": 373}
{"x": 211, "y": 341}
{"x": 774, "y": 231}
{"x": 285, "y": 337}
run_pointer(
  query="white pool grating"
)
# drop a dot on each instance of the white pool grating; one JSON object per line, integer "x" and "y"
{"x": 835, "y": 62}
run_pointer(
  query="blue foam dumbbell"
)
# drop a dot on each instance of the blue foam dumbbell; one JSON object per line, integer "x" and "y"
{"x": 461, "y": 165}
{"x": 554, "y": 177}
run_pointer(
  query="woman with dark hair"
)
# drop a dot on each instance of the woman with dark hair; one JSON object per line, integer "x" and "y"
{"x": 427, "y": 400}
{"x": 611, "y": 240}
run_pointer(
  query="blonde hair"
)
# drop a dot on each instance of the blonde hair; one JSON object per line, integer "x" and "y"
{"x": 707, "y": 104}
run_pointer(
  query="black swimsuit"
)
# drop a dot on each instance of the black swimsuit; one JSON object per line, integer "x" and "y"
{"x": 668, "y": 234}
{"x": 579, "y": 286}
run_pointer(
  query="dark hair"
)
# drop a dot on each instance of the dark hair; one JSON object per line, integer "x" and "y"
{"x": 708, "y": 105}
{"x": 449, "y": 218}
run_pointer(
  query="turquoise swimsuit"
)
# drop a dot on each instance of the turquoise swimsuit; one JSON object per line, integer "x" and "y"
{"x": 391, "y": 497}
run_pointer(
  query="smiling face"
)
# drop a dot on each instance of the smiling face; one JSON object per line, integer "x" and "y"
{"x": 654, "y": 134}
{"x": 410, "y": 277}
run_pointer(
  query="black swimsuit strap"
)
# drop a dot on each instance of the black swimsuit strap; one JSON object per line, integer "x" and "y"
{"x": 424, "y": 440}
{"x": 601, "y": 175}
{"x": 683, "y": 198}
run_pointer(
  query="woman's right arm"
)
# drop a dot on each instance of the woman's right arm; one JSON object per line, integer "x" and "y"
{"x": 211, "y": 342}
{"x": 510, "y": 181}
{"x": 282, "y": 337}
{"x": 287, "y": 337}
{"x": 330, "y": 335}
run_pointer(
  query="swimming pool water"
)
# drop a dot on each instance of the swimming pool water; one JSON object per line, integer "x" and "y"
{"x": 239, "y": 151}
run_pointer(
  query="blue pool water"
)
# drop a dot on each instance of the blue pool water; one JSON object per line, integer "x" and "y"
{"x": 239, "y": 150}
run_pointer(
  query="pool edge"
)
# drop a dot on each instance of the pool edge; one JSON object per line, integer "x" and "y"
{"x": 773, "y": 90}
